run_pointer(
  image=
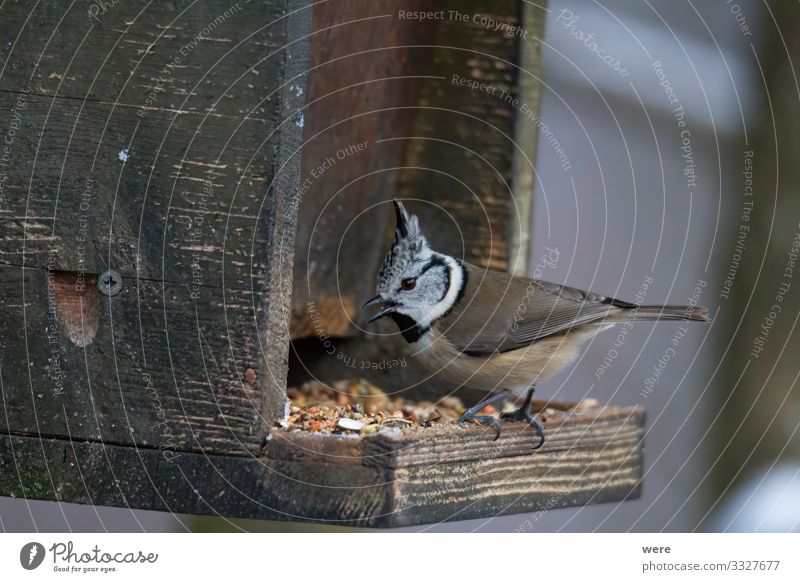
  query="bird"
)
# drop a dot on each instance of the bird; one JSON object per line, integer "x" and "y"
{"x": 490, "y": 330}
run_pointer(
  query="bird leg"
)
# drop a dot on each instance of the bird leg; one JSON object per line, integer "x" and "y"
{"x": 472, "y": 413}
{"x": 523, "y": 413}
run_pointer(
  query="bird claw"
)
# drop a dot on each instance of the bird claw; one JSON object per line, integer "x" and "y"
{"x": 524, "y": 415}
{"x": 472, "y": 413}
{"x": 483, "y": 420}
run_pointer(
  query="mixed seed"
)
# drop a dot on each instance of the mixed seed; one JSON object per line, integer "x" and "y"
{"x": 360, "y": 408}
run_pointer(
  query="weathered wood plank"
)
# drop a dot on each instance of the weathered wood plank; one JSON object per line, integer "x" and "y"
{"x": 217, "y": 56}
{"x": 445, "y": 445}
{"x": 188, "y": 483}
{"x": 162, "y": 145}
{"x": 431, "y": 475}
{"x": 161, "y": 369}
{"x": 185, "y": 207}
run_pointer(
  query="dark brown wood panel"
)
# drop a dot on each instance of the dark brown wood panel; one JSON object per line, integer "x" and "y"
{"x": 160, "y": 141}
{"x": 191, "y": 204}
{"x": 362, "y": 89}
{"x": 460, "y": 155}
{"x": 386, "y": 81}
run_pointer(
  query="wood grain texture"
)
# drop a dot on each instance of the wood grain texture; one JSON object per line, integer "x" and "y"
{"x": 526, "y": 136}
{"x": 160, "y": 140}
{"x": 432, "y": 475}
{"x": 157, "y": 373}
{"x": 460, "y": 149}
{"x": 363, "y": 86}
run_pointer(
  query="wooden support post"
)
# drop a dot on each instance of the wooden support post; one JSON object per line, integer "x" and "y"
{"x": 526, "y": 137}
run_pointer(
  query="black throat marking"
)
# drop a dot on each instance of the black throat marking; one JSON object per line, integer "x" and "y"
{"x": 410, "y": 329}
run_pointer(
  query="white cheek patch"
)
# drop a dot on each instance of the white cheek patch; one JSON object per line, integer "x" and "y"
{"x": 438, "y": 309}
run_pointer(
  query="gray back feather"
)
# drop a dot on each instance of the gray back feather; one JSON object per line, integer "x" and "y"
{"x": 500, "y": 312}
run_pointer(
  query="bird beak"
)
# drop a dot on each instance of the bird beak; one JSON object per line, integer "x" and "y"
{"x": 374, "y": 301}
{"x": 388, "y": 307}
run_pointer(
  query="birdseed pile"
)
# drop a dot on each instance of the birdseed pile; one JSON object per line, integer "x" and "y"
{"x": 358, "y": 407}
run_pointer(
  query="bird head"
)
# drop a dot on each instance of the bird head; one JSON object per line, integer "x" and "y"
{"x": 414, "y": 281}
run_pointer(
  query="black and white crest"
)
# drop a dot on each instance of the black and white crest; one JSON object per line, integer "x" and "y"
{"x": 416, "y": 285}
{"x": 409, "y": 246}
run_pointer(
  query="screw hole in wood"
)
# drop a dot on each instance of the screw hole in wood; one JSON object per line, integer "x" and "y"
{"x": 109, "y": 282}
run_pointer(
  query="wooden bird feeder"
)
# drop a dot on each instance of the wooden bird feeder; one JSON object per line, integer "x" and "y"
{"x": 180, "y": 183}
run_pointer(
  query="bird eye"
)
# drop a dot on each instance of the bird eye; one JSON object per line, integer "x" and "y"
{"x": 408, "y": 284}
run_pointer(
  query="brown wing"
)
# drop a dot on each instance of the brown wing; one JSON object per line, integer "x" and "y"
{"x": 500, "y": 312}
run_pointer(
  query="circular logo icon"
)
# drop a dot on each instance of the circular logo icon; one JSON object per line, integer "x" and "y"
{"x": 31, "y": 555}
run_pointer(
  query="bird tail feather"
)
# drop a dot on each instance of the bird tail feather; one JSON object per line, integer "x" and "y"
{"x": 668, "y": 313}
